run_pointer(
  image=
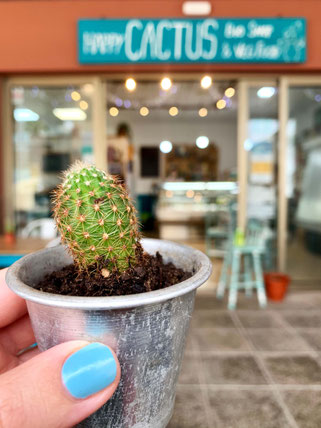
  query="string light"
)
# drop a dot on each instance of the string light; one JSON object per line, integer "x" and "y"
{"x": 166, "y": 83}
{"x": 202, "y": 112}
{"x": 229, "y": 92}
{"x": 75, "y": 95}
{"x": 144, "y": 111}
{"x": 130, "y": 84}
{"x": 83, "y": 105}
{"x": 113, "y": 111}
{"x": 206, "y": 82}
{"x": 221, "y": 104}
{"x": 173, "y": 111}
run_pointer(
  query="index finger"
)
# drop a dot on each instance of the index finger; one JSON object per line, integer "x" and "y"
{"x": 12, "y": 307}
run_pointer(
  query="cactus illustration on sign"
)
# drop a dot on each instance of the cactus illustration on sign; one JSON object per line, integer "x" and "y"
{"x": 96, "y": 219}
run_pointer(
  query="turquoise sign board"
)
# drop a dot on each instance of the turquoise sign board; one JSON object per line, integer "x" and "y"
{"x": 256, "y": 40}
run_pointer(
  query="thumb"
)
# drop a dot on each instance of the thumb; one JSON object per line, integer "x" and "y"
{"x": 59, "y": 387}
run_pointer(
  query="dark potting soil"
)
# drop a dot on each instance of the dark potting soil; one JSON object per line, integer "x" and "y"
{"x": 151, "y": 273}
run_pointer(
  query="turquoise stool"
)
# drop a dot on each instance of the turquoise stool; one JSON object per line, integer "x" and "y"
{"x": 250, "y": 252}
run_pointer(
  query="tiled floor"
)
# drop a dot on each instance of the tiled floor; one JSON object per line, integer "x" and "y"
{"x": 252, "y": 368}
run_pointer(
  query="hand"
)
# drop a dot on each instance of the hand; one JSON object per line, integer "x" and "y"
{"x": 56, "y": 388}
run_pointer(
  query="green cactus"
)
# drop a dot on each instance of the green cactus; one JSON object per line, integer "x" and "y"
{"x": 96, "y": 219}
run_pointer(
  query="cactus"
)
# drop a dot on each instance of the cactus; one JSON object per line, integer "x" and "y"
{"x": 96, "y": 219}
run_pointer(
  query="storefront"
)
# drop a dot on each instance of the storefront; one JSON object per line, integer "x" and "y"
{"x": 261, "y": 116}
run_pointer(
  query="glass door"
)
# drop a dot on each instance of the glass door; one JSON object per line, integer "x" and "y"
{"x": 51, "y": 126}
{"x": 303, "y": 185}
{"x": 262, "y": 164}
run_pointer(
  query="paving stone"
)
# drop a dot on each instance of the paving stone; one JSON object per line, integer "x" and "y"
{"x": 305, "y": 406}
{"x": 203, "y": 319}
{"x": 276, "y": 340}
{"x": 303, "y": 319}
{"x": 189, "y": 411}
{"x": 238, "y": 370}
{"x": 259, "y": 319}
{"x": 294, "y": 370}
{"x": 189, "y": 370}
{"x": 247, "y": 409}
{"x": 220, "y": 339}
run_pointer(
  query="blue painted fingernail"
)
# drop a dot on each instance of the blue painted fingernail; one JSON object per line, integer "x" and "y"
{"x": 89, "y": 370}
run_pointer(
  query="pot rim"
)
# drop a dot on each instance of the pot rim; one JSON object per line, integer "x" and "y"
{"x": 110, "y": 302}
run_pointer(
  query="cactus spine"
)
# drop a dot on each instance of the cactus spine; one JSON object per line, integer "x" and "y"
{"x": 96, "y": 219}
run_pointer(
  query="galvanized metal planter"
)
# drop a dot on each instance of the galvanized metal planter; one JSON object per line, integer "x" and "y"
{"x": 147, "y": 331}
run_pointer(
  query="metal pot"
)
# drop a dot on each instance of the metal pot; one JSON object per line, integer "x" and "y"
{"x": 147, "y": 331}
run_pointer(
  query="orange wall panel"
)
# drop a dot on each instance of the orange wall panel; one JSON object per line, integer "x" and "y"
{"x": 40, "y": 36}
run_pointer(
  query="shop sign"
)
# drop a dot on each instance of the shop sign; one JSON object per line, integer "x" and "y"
{"x": 256, "y": 40}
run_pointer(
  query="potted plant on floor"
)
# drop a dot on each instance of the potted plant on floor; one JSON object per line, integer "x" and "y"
{"x": 116, "y": 290}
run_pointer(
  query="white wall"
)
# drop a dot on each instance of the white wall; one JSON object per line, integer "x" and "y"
{"x": 151, "y": 130}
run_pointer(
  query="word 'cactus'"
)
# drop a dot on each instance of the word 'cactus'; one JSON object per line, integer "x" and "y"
{"x": 96, "y": 218}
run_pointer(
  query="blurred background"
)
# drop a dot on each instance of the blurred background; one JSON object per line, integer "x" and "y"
{"x": 210, "y": 113}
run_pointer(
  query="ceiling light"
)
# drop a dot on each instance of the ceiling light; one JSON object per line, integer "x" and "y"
{"x": 190, "y": 193}
{"x": 25, "y": 115}
{"x": 165, "y": 146}
{"x": 266, "y": 92}
{"x": 130, "y": 84}
{"x": 69, "y": 114}
{"x": 229, "y": 92}
{"x": 83, "y": 105}
{"x": 88, "y": 88}
{"x": 113, "y": 111}
{"x": 206, "y": 82}
{"x": 173, "y": 111}
{"x": 144, "y": 111}
{"x": 221, "y": 104}
{"x": 166, "y": 83}
{"x": 202, "y": 142}
{"x": 202, "y": 112}
{"x": 75, "y": 95}
{"x": 197, "y": 8}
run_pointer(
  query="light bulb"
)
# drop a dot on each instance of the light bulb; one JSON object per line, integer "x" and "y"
{"x": 130, "y": 84}
{"x": 165, "y": 146}
{"x": 166, "y": 83}
{"x": 206, "y": 82}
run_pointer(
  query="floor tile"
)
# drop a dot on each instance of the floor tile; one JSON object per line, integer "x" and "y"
{"x": 276, "y": 340}
{"x": 303, "y": 319}
{"x": 294, "y": 370}
{"x": 209, "y": 302}
{"x": 305, "y": 406}
{"x": 220, "y": 339}
{"x": 312, "y": 337}
{"x": 190, "y": 411}
{"x": 241, "y": 370}
{"x": 202, "y": 319}
{"x": 259, "y": 319}
{"x": 189, "y": 370}
{"x": 247, "y": 409}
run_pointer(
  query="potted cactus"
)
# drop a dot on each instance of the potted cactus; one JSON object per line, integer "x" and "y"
{"x": 113, "y": 287}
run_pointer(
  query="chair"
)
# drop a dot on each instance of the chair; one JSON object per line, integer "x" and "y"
{"x": 249, "y": 251}
{"x": 218, "y": 224}
{"x": 43, "y": 228}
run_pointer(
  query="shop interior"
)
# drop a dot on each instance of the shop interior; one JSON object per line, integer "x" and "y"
{"x": 175, "y": 143}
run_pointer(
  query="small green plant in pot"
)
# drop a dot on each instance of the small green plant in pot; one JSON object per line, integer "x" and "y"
{"x": 96, "y": 219}
{"x": 135, "y": 295}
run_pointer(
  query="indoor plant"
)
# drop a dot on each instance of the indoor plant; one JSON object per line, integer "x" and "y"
{"x": 146, "y": 330}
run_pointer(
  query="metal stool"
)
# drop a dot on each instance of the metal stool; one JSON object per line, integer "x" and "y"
{"x": 251, "y": 252}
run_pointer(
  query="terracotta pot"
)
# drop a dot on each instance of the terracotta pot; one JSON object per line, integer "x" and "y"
{"x": 276, "y": 285}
